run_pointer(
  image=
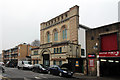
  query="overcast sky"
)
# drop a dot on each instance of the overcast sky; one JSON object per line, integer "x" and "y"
{"x": 20, "y": 19}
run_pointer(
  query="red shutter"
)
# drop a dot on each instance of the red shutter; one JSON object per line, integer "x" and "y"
{"x": 109, "y": 42}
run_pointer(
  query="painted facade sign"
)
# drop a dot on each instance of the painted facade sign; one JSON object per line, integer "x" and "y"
{"x": 109, "y": 54}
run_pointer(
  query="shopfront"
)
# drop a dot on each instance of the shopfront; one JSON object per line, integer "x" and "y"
{"x": 109, "y": 63}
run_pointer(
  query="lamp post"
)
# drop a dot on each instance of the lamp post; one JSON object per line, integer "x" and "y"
{"x": 98, "y": 62}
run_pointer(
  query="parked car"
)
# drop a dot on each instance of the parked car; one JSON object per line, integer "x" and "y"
{"x": 40, "y": 68}
{"x": 24, "y": 65}
{"x": 2, "y": 69}
{"x": 61, "y": 71}
{"x": 1, "y": 63}
{"x": 10, "y": 64}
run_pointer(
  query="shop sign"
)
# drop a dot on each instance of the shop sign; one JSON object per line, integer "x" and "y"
{"x": 91, "y": 55}
{"x": 77, "y": 64}
{"x": 109, "y": 54}
{"x": 91, "y": 62}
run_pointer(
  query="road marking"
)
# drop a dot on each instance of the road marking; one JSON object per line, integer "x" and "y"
{"x": 37, "y": 77}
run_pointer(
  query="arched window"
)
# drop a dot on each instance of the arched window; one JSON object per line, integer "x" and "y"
{"x": 64, "y": 33}
{"x": 48, "y": 37}
{"x": 55, "y": 35}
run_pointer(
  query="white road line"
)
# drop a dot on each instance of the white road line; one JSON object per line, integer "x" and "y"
{"x": 37, "y": 77}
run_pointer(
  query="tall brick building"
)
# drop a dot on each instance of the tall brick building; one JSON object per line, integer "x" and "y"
{"x": 19, "y": 52}
{"x": 103, "y": 50}
{"x": 60, "y": 40}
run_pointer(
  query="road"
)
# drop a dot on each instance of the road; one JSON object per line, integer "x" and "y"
{"x": 16, "y": 74}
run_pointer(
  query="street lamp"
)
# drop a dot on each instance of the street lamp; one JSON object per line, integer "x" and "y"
{"x": 98, "y": 62}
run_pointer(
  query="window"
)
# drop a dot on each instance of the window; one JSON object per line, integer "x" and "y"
{"x": 36, "y": 61}
{"x": 82, "y": 52}
{"x": 60, "y": 63}
{"x": 92, "y": 38}
{"x": 33, "y": 61}
{"x": 64, "y": 33}
{"x": 54, "y": 50}
{"x": 60, "y": 49}
{"x": 35, "y": 52}
{"x": 54, "y": 62}
{"x": 55, "y": 35}
{"x": 48, "y": 37}
{"x": 57, "y": 50}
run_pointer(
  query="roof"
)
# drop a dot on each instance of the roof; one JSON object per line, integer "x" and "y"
{"x": 84, "y": 27}
{"x": 106, "y": 25}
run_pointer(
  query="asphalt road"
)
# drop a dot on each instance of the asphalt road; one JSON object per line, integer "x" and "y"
{"x": 16, "y": 74}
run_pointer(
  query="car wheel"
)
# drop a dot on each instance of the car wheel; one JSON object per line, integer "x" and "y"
{"x": 18, "y": 67}
{"x": 40, "y": 71}
{"x": 33, "y": 70}
{"x": 60, "y": 74}
{"x": 49, "y": 72}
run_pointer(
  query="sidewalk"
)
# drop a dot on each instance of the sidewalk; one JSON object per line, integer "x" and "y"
{"x": 85, "y": 77}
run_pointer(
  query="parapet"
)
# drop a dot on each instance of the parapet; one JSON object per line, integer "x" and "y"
{"x": 73, "y": 11}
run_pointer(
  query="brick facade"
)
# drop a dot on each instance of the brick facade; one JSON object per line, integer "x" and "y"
{"x": 93, "y": 39}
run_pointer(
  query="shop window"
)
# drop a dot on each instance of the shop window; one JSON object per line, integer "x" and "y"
{"x": 33, "y": 61}
{"x": 54, "y": 62}
{"x": 36, "y": 61}
{"x": 60, "y": 63}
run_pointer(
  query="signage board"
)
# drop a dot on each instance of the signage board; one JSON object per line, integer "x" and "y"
{"x": 109, "y": 54}
{"x": 91, "y": 62}
{"x": 77, "y": 64}
{"x": 91, "y": 56}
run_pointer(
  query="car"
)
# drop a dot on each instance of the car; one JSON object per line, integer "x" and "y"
{"x": 1, "y": 63}
{"x": 25, "y": 65}
{"x": 2, "y": 69}
{"x": 61, "y": 71}
{"x": 40, "y": 68}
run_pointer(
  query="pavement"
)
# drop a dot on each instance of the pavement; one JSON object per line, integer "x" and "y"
{"x": 81, "y": 76}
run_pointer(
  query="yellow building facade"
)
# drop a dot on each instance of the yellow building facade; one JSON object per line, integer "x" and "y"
{"x": 59, "y": 41}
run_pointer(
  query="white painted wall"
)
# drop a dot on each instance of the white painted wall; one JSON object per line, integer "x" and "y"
{"x": 82, "y": 39}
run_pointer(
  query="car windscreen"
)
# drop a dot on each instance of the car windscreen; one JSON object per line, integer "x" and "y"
{"x": 64, "y": 68}
{"x": 43, "y": 66}
{"x": 27, "y": 62}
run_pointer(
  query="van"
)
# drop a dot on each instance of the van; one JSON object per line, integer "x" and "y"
{"x": 24, "y": 65}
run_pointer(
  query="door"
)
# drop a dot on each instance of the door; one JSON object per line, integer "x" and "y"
{"x": 46, "y": 60}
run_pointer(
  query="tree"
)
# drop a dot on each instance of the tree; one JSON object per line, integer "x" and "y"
{"x": 35, "y": 43}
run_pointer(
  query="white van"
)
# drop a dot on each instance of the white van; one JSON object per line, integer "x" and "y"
{"x": 24, "y": 65}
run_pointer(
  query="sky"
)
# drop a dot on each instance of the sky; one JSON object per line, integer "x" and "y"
{"x": 20, "y": 19}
